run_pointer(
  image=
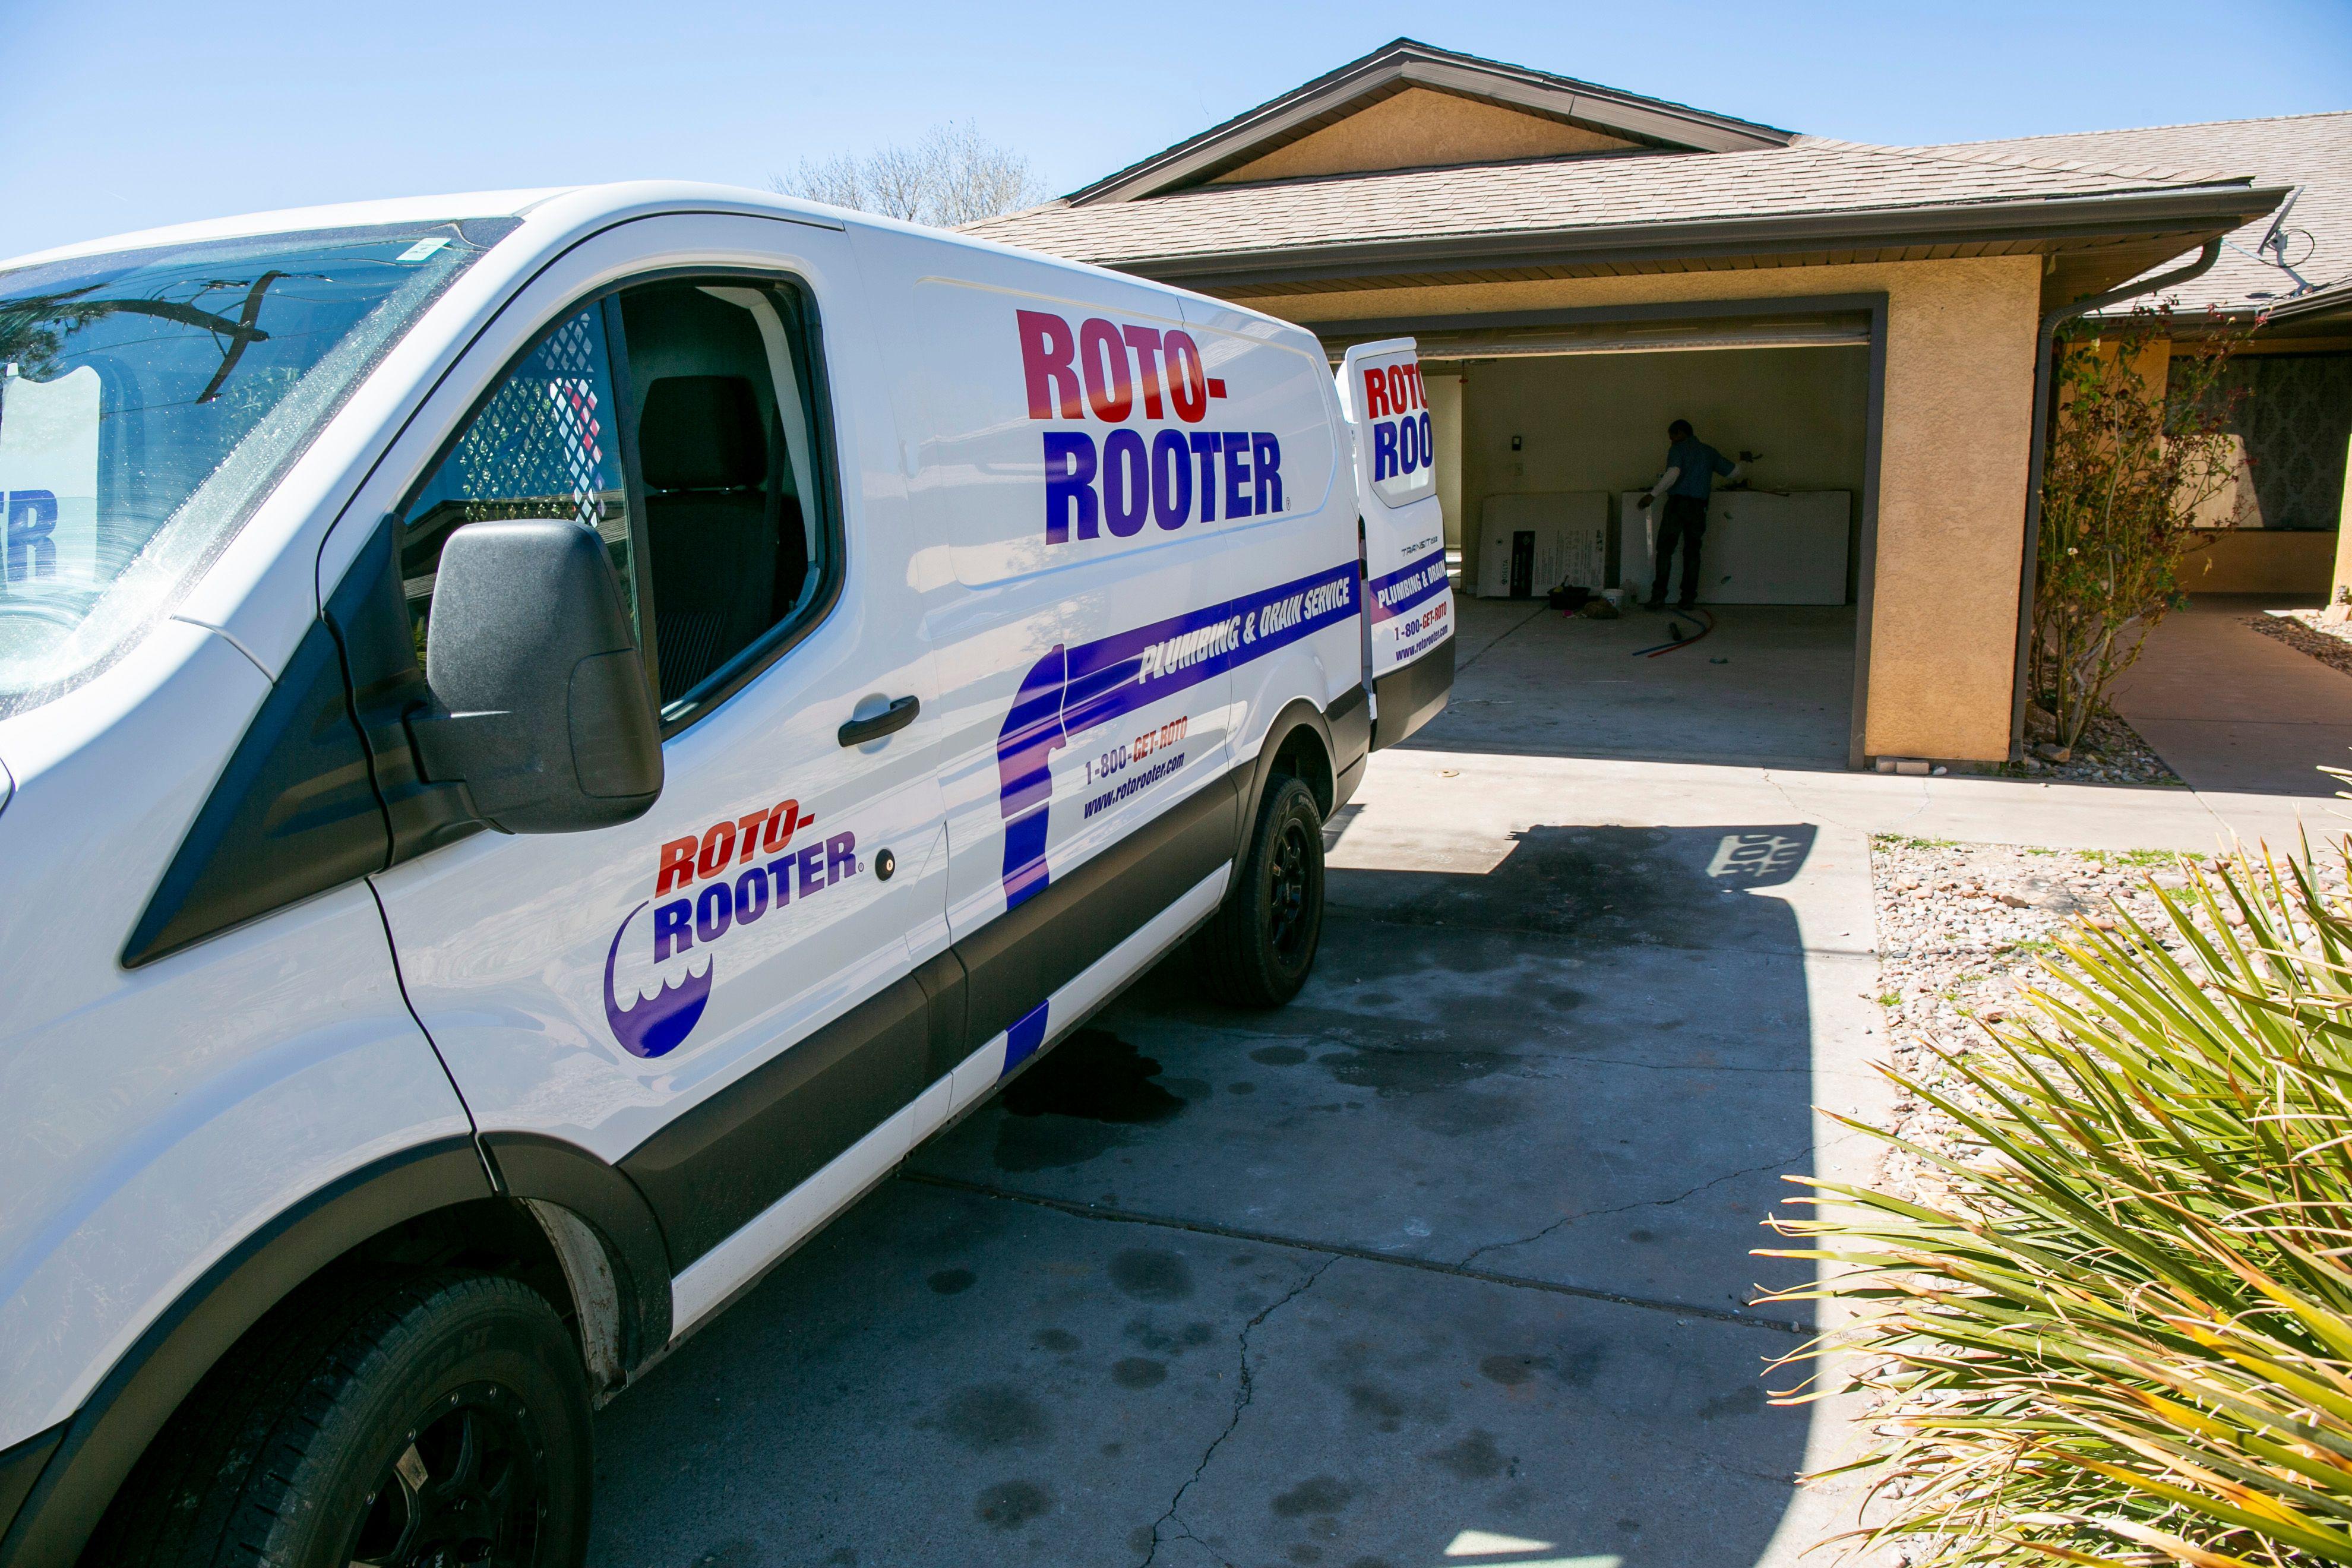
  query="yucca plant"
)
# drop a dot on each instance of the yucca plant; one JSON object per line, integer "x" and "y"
{"x": 2126, "y": 1336}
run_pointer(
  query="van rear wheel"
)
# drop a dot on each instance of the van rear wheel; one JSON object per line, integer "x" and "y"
{"x": 1257, "y": 950}
{"x": 388, "y": 1420}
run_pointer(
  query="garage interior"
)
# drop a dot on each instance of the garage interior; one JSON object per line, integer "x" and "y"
{"x": 1548, "y": 434}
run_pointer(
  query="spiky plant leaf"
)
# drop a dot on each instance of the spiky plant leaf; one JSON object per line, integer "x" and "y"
{"x": 2127, "y": 1335}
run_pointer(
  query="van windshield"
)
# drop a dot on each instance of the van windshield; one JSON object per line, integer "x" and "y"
{"x": 149, "y": 401}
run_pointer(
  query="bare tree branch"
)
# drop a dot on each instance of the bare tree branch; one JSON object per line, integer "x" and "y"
{"x": 953, "y": 175}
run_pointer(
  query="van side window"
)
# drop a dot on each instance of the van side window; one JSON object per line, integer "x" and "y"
{"x": 736, "y": 527}
{"x": 544, "y": 446}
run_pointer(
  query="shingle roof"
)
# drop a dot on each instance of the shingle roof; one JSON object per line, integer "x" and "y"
{"x": 1811, "y": 176}
{"x": 1408, "y": 61}
{"x": 2313, "y": 151}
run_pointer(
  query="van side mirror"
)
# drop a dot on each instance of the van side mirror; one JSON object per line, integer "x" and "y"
{"x": 539, "y": 705}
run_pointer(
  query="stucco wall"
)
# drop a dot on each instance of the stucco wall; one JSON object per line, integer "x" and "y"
{"x": 2261, "y": 560}
{"x": 1951, "y": 503}
{"x": 1420, "y": 128}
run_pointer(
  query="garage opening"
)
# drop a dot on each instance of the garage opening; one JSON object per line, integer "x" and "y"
{"x": 1549, "y": 433}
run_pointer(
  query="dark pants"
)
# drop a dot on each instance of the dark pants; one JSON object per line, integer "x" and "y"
{"x": 1685, "y": 520}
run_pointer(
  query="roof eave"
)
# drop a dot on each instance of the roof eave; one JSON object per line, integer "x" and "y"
{"x": 2120, "y": 217}
{"x": 1422, "y": 66}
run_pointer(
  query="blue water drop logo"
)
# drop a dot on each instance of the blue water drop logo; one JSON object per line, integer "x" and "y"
{"x": 654, "y": 1025}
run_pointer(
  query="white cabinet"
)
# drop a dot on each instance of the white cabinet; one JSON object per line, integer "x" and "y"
{"x": 1762, "y": 547}
{"x": 1530, "y": 543}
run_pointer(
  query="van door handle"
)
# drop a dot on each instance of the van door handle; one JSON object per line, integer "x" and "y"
{"x": 891, "y": 720}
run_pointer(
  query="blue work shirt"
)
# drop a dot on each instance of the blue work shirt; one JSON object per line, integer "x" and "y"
{"x": 1699, "y": 464}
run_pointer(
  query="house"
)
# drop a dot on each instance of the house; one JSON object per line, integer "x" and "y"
{"x": 2288, "y": 276}
{"x": 1581, "y": 264}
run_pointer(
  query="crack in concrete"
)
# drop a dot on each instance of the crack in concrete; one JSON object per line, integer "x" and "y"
{"x": 1498, "y": 638}
{"x": 1360, "y": 1254}
{"x": 1927, "y": 799}
{"x": 1638, "y": 1204}
{"x": 1243, "y": 1396}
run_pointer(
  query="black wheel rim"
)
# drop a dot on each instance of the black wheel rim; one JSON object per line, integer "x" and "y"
{"x": 1288, "y": 872}
{"x": 468, "y": 1487}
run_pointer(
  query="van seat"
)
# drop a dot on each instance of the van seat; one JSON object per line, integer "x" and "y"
{"x": 708, "y": 524}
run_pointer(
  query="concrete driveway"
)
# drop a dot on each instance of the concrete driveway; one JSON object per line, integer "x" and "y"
{"x": 2229, "y": 709}
{"x": 1445, "y": 1264}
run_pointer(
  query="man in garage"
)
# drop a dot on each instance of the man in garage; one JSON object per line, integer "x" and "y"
{"x": 1688, "y": 482}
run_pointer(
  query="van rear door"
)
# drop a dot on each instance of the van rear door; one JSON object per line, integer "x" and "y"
{"x": 1408, "y": 602}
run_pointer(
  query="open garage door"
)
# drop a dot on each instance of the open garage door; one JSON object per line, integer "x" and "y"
{"x": 1561, "y": 423}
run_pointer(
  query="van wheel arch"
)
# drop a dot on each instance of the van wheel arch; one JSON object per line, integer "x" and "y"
{"x": 559, "y": 1202}
{"x": 1297, "y": 744}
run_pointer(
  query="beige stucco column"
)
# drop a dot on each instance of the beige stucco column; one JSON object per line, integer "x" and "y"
{"x": 1956, "y": 414}
{"x": 2340, "y": 585}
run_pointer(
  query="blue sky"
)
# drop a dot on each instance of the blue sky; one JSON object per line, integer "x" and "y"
{"x": 122, "y": 114}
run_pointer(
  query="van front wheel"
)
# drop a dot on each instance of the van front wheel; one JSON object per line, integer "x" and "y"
{"x": 378, "y": 1419}
{"x": 1257, "y": 950}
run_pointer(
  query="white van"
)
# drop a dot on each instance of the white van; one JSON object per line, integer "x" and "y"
{"x": 547, "y": 741}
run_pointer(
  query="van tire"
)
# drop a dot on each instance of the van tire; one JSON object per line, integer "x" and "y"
{"x": 334, "y": 1432}
{"x": 1257, "y": 950}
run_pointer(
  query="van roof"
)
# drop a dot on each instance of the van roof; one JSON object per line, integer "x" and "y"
{"x": 564, "y": 207}
{"x": 635, "y": 194}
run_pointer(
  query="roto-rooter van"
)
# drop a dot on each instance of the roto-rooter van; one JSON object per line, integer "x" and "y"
{"x": 550, "y": 739}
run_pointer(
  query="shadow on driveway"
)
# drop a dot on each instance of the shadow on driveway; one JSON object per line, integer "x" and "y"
{"x": 1446, "y": 1263}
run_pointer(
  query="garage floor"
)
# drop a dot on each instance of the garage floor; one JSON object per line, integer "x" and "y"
{"x": 1533, "y": 681}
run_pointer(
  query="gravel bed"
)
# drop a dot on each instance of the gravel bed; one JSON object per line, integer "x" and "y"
{"x": 1962, "y": 929}
{"x": 2303, "y": 631}
{"x": 2112, "y": 752}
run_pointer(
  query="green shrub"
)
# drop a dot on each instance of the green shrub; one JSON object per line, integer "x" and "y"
{"x": 2127, "y": 1335}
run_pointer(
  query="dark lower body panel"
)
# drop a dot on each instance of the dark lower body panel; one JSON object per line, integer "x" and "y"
{"x": 1408, "y": 698}
{"x": 714, "y": 1169}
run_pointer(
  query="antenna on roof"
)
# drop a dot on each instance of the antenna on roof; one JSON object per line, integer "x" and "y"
{"x": 2278, "y": 239}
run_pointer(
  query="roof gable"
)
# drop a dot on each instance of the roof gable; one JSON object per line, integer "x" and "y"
{"x": 1500, "y": 104}
{"x": 1423, "y": 128}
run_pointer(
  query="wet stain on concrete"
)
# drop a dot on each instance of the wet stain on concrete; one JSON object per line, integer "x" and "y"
{"x": 1747, "y": 1400}
{"x": 1150, "y": 1274}
{"x": 953, "y": 1282}
{"x": 1575, "y": 1366}
{"x": 1511, "y": 1371}
{"x": 1009, "y": 1505}
{"x": 1391, "y": 1073}
{"x": 1316, "y": 1494}
{"x": 1061, "y": 1341}
{"x": 1076, "y": 1104}
{"x": 1095, "y": 1075}
{"x": 1138, "y": 1372}
{"x": 1144, "y": 1333}
{"x": 1377, "y": 1406}
{"x": 1474, "y": 1458}
{"x": 1468, "y": 1115}
{"x": 991, "y": 1416}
